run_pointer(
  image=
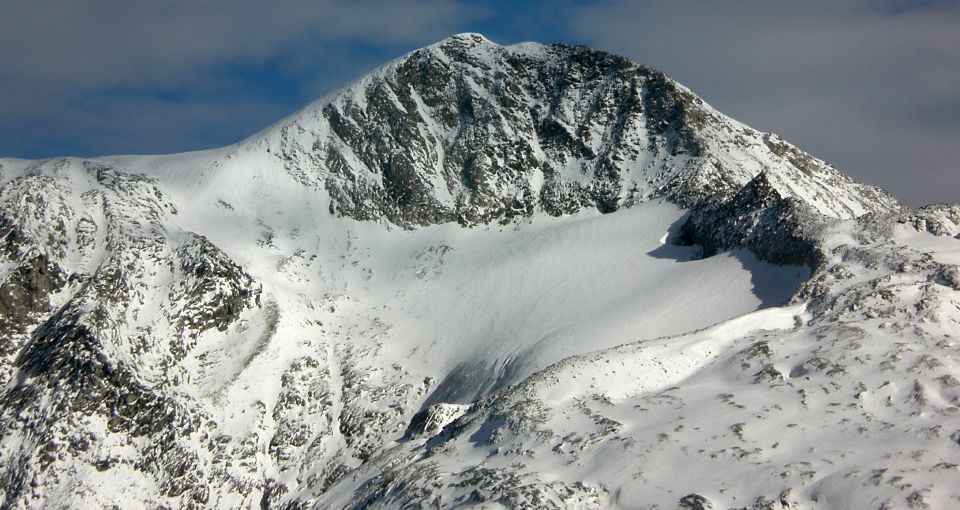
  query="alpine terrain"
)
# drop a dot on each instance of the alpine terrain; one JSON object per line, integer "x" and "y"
{"x": 479, "y": 277}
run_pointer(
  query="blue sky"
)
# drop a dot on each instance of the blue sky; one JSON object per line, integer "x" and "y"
{"x": 872, "y": 86}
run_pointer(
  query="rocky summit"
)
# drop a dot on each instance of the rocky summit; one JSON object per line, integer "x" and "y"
{"x": 481, "y": 276}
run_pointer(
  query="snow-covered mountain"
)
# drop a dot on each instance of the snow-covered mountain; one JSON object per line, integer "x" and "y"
{"x": 480, "y": 276}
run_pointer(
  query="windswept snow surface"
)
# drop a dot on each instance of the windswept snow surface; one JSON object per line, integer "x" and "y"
{"x": 477, "y": 307}
{"x": 848, "y": 400}
{"x": 497, "y": 304}
{"x": 482, "y": 307}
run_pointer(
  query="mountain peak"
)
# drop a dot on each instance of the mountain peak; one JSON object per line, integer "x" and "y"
{"x": 470, "y": 131}
{"x": 243, "y": 327}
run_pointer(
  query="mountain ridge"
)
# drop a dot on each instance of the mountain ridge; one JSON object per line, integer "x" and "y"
{"x": 480, "y": 275}
{"x": 640, "y": 133}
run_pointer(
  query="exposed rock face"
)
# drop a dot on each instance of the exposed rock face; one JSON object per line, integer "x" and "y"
{"x": 92, "y": 337}
{"x": 198, "y": 331}
{"x": 470, "y": 131}
{"x": 779, "y": 230}
{"x": 939, "y": 220}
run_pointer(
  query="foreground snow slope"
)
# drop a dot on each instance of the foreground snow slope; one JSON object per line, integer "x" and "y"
{"x": 848, "y": 400}
{"x": 524, "y": 276}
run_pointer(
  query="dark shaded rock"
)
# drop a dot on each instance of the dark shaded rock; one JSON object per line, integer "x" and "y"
{"x": 694, "y": 502}
{"x": 949, "y": 276}
{"x": 776, "y": 229}
{"x": 768, "y": 374}
{"x": 24, "y": 294}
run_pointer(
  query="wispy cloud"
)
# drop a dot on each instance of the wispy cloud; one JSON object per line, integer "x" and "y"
{"x": 100, "y": 75}
{"x": 97, "y": 42}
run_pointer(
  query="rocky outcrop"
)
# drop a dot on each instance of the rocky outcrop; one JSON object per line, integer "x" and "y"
{"x": 105, "y": 296}
{"x": 776, "y": 229}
